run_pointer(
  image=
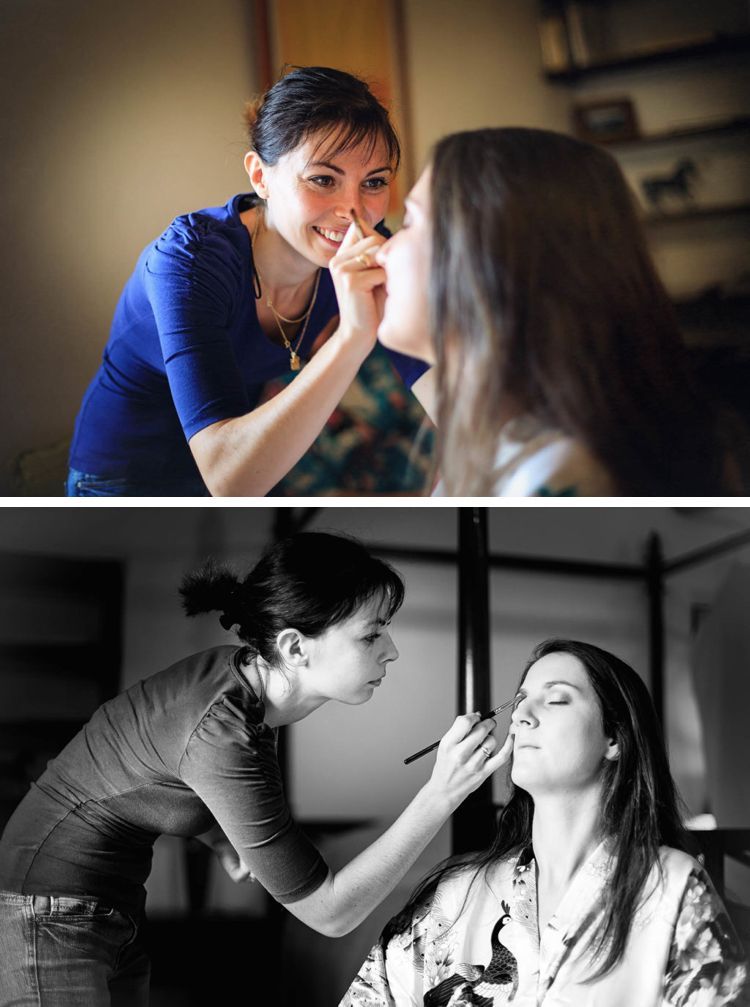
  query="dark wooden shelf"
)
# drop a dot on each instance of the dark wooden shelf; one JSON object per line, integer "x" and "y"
{"x": 721, "y": 45}
{"x": 736, "y": 125}
{"x": 696, "y": 213}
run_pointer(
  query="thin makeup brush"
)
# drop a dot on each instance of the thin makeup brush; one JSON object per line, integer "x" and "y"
{"x": 357, "y": 224}
{"x": 434, "y": 745}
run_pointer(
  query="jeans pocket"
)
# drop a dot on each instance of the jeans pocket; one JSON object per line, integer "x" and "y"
{"x": 82, "y": 925}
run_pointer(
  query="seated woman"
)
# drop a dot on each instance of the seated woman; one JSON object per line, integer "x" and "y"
{"x": 522, "y": 274}
{"x": 586, "y": 896}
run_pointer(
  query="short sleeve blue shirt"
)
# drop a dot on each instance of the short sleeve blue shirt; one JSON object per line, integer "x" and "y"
{"x": 186, "y": 350}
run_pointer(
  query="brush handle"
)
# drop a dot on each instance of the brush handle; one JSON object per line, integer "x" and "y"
{"x": 357, "y": 224}
{"x": 434, "y": 745}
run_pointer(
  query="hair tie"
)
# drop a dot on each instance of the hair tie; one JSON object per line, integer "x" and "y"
{"x": 227, "y": 620}
{"x": 231, "y": 613}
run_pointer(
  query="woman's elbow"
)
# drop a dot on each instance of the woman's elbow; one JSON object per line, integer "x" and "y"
{"x": 215, "y": 453}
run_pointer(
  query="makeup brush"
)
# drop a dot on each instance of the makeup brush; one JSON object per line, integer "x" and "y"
{"x": 358, "y": 230}
{"x": 434, "y": 745}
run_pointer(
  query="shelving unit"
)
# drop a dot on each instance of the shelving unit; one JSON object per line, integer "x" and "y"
{"x": 736, "y": 124}
{"x": 680, "y": 90}
{"x": 720, "y": 45}
{"x": 697, "y": 213}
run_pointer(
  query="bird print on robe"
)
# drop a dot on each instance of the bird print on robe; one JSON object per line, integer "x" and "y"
{"x": 477, "y": 986}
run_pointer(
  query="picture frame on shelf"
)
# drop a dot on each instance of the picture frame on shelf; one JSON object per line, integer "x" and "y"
{"x": 605, "y": 121}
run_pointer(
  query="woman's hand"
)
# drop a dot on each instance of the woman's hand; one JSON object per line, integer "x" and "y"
{"x": 225, "y": 853}
{"x": 467, "y": 755}
{"x": 232, "y": 864}
{"x": 359, "y": 283}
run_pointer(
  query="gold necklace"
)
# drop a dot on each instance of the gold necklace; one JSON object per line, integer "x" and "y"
{"x": 294, "y": 360}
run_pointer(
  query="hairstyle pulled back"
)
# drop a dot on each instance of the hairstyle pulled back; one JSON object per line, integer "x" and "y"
{"x": 319, "y": 99}
{"x": 311, "y": 581}
{"x": 640, "y": 810}
{"x": 543, "y": 295}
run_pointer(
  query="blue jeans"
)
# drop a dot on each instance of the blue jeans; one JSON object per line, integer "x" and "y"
{"x": 85, "y": 484}
{"x": 69, "y": 951}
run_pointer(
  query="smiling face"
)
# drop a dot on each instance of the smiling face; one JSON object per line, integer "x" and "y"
{"x": 559, "y": 740}
{"x": 310, "y": 191}
{"x": 406, "y": 260}
{"x": 348, "y": 661}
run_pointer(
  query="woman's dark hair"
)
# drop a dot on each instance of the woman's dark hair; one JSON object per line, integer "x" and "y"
{"x": 543, "y": 296}
{"x": 311, "y": 580}
{"x": 312, "y": 99}
{"x": 640, "y": 810}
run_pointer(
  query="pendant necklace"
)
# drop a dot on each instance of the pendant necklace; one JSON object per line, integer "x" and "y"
{"x": 294, "y": 359}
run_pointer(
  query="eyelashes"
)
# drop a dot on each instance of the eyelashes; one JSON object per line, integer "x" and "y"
{"x": 328, "y": 181}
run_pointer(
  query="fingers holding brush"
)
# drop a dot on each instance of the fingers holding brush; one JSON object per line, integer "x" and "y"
{"x": 462, "y": 763}
{"x": 359, "y": 281}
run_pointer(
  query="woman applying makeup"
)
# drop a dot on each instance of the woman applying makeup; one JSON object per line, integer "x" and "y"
{"x": 524, "y": 278}
{"x": 586, "y": 896}
{"x": 230, "y": 297}
{"x": 191, "y": 751}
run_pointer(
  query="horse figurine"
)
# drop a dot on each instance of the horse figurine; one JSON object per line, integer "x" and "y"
{"x": 677, "y": 184}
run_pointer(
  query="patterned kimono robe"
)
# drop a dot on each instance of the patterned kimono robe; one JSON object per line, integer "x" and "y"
{"x": 478, "y": 944}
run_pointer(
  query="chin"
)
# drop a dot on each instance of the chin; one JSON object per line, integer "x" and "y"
{"x": 402, "y": 343}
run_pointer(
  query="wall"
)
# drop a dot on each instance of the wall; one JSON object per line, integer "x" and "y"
{"x": 116, "y": 117}
{"x": 476, "y": 64}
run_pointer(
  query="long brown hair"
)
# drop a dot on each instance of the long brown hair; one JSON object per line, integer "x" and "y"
{"x": 543, "y": 295}
{"x": 640, "y": 809}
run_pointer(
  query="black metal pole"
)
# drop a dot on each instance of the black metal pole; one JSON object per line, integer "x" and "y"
{"x": 655, "y": 587}
{"x": 473, "y": 824}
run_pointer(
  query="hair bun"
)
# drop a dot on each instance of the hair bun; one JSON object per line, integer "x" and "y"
{"x": 213, "y": 588}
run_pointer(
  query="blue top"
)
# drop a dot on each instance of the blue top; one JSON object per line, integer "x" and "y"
{"x": 186, "y": 350}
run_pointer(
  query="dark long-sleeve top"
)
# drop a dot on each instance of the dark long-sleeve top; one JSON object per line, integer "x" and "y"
{"x": 171, "y": 755}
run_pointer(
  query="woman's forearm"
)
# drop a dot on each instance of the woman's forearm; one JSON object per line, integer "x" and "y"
{"x": 467, "y": 756}
{"x": 248, "y": 455}
{"x": 352, "y": 893}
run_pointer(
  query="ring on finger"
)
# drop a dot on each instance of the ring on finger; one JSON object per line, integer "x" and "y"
{"x": 364, "y": 260}
{"x": 487, "y": 751}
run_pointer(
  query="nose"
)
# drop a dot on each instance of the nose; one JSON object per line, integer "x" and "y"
{"x": 351, "y": 199}
{"x": 524, "y": 713}
{"x": 390, "y": 651}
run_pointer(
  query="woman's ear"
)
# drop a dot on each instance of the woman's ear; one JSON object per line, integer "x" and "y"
{"x": 612, "y": 752}
{"x": 292, "y": 646}
{"x": 257, "y": 173}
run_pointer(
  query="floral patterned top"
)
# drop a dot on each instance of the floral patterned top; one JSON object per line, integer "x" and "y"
{"x": 477, "y": 944}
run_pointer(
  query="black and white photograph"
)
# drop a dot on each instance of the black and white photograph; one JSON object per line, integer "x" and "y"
{"x": 239, "y": 745}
